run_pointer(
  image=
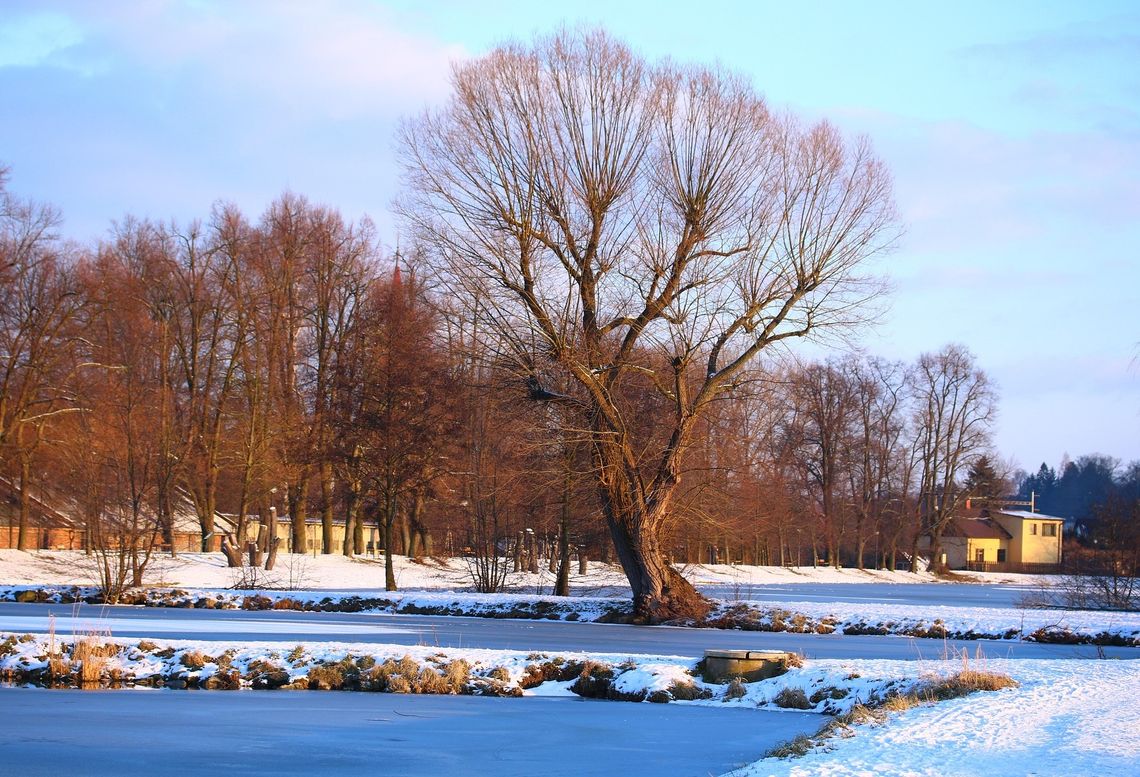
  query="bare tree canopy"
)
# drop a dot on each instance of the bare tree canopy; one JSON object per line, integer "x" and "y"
{"x": 956, "y": 405}
{"x": 620, "y": 223}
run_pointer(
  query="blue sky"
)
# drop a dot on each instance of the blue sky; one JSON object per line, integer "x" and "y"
{"x": 1012, "y": 129}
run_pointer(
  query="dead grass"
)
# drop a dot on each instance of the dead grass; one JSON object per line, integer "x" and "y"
{"x": 681, "y": 691}
{"x": 457, "y": 673}
{"x": 91, "y": 653}
{"x": 792, "y": 699}
{"x": 326, "y": 677}
{"x": 195, "y": 659}
{"x": 971, "y": 678}
{"x": 736, "y": 689}
{"x": 969, "y": 681}
{"x": 797, "y": 748}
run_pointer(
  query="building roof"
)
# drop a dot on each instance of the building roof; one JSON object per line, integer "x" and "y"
{"x": 976, "y": 529}
{"x": 1026, "y": 515}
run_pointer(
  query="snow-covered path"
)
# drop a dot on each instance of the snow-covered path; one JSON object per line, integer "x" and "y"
{"x": 1067, "y": 718}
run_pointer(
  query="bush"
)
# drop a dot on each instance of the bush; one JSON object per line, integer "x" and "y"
{"x": 457, "y": 673}
{"x": 194, "y": 659}
{"x": 681, "y": 691}
{"x": 736, "y": 689}
{"x": 968, "y": 681}
{"x": 326, "y": 677}
{"x": 793, "y": 699}
{"x": 92, "y": 656}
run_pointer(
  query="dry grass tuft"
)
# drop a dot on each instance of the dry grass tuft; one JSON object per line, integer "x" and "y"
{"x": 195, "y": 659}
{"x": 457, "y": 673}
{"x": 793, "y": 699}
{"x": 396, "y": 676}
{"x": 91, "y": 653}
{"x": 430, "y": 681}
{"x": 500, "y": 673}
{"x": 681, "y": 691}
{"x": 901, "y": 702}
{"x": 326, "y": 677}
{"x": 794, "y": 661}
{"x": 797, "y": 748}
{"x": 736, "y": 689}
{"x": 968, "y": 681}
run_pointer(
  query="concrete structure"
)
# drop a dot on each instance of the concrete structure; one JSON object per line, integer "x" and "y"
{"x": 721, "y": 666}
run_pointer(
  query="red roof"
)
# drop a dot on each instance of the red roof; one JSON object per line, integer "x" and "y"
{"x": 976, "y": 529}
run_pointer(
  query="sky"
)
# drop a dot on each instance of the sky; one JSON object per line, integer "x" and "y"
{"x": 1012, "y": 130}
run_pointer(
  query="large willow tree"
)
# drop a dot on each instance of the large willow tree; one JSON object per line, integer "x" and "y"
{"x": 621, "y": 230}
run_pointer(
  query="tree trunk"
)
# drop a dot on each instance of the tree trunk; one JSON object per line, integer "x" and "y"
{"x": 271, "y": 541}
{"x": 660, "y": 593}
{"x": 326, "y": 508}
{"x": 297, "y": 498}
{"x": 562, "y": 584}
{"x": 351, "y": 519}
{"x": 358, "y": 532}
{"x": 389, "y": 565}
{"x": 231, "y": 552}
{"x": 206, "y": 509}
{"x": 24, "y": 538}
{"x": 271, "y": 554}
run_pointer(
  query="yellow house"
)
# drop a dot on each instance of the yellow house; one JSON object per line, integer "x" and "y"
{"x": 1035, "y": 538}
{"x": 969, "y": 542}
{"x": 1003, "y": 541}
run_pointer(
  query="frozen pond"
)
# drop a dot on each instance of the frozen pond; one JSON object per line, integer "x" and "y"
{"x": 279, "y": 732}
{"x": 454, "y": 632}
{"x": 943, "y": 594}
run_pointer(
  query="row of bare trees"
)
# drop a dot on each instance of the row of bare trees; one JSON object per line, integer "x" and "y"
{"x": 845, "y": 461}
{"x": 615, "y": 246}
{"x": 285, "y": 364}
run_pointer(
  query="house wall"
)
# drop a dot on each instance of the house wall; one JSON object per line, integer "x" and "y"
{"x": 43, "y": 538}
{"x": 1028, "y": 547}
{"x": 955, "y": 550}
{"x": 989, "y": 548}
{"x": 961, "y": 551}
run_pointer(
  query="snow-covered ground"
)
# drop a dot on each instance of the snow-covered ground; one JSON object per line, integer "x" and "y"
{"x": 1076, "y": 718}
{"x": 809, "y": 600}
{"x": 336, "y": 572}
{"x": 1067, "y": 717}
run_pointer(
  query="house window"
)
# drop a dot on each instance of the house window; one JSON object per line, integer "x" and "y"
{"x": 1048, "y": 530}
{"x": 1001, "y": 555}
{"x": 980, "y": 555}
{"x": 1032, "y": 528}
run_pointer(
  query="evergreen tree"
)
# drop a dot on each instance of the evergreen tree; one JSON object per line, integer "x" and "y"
{"x": 982, "y": 481}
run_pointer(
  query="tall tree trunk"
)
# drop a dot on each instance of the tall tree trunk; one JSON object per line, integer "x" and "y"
{"x": 389, "y": 564}
{"x": 327, "y": 507}
{"x": 660, "y": 593}
{"x": 358, "y": 532}
{"x": 24, "y": 537}
{"x": 206, "y": 503}
{"x": 272, "y": 543}
{"x": 351, "y": 507}
{"x": 298, "y": 497}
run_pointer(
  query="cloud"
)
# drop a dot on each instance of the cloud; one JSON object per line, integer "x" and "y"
{"x": 328, "y": 60}
{"x": 33, "y": 39}
{"x": 963, "y": 187}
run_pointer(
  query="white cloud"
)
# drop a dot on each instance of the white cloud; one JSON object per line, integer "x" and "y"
{"x": 32, "y": 39}
{"x": 327, "y": 60}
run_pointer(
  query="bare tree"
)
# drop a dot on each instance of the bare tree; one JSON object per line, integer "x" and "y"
{"x": 39, "y": 302}
{"x": 826, "y": 406}
{"x": 402, "y": 409}
{"x": 622, "y": 221}
{"x": 955, "y": 406}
